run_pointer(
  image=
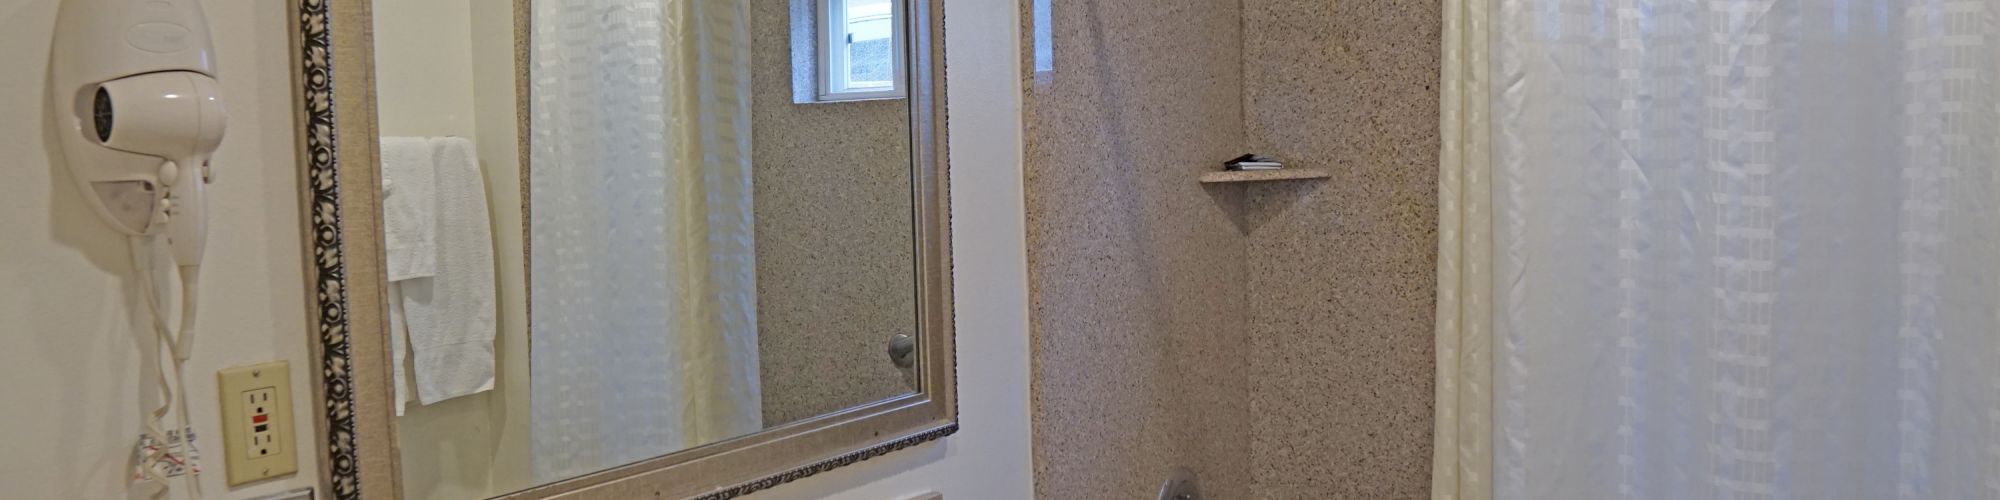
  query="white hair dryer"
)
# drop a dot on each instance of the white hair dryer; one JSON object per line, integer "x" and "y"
{"x": 139, "y": 113}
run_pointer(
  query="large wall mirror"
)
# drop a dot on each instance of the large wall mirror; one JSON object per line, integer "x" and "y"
{"x": 623, "y": 248}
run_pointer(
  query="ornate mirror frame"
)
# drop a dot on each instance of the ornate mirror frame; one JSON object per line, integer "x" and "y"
{"x": 333, "y": 70}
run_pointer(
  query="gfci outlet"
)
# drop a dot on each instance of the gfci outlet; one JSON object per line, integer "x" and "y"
{"x": 257, "y": 422}
{"x": 262, "y": 432}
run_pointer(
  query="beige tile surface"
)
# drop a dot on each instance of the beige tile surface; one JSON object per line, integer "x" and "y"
{"x": 834, "y": 263}
{"x": 1276, "y": 337}
{"x": 1134, "y": 268}
{"x": 1343, "y": 303}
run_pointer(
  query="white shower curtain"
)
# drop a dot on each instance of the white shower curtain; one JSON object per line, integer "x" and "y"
{"x": 642, "y": 284}
{"x": 1720, "y": 249}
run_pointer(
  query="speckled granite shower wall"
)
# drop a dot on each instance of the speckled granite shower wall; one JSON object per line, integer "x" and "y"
{"x": 833, "y": 236}
{"x": 1136, "y": 271}
{"x": 1343, "y": 291}
{"x": 1276, "y": 338}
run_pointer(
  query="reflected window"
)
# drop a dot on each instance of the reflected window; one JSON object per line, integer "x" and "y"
{"x": 860, "y": 49}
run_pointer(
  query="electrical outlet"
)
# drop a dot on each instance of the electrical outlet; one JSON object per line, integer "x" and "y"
{"x": 257, "y": 422}
{"x": 259, "y": 428}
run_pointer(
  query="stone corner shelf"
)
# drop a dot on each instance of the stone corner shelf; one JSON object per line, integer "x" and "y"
{"x": 1286, "y": 174}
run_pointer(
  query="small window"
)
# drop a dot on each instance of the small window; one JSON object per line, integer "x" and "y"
{"x": 860, "y": 49}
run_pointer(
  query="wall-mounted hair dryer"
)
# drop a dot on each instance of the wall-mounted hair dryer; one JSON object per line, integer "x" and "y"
{"x": 139, "y": 113}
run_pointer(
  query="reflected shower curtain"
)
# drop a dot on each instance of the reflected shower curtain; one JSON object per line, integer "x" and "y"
{"x": 1720, "y": 249}
{"x": 643, "y": 282}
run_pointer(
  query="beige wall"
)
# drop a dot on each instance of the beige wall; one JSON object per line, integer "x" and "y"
{"x": 447, "y": 68}
{"x": 423, "y": 68}
{"x": 72, "y": 407}
{"x": 1277, "y": 337}
{"x": 834, "y": 257}
{"x": 1343, "y": 295}
{"x": 497, "y": 101}
{"x": 1139, "y": 306}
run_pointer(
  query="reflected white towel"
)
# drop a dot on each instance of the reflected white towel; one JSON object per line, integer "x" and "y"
{"x": 409, "y": 207}
{"x": 399, "y": 341}
{"x": 409, "y": 215}
{"x": 451, "y": 314}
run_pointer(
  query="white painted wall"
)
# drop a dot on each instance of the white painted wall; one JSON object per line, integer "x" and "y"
{"x": 71, "y": 409}
{"x": 989, "y": 458}
{"x": 498, "y": 129}
{"x": 423, "y": 68}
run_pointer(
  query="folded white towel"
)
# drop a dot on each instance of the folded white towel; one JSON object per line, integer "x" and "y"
{"x": 399, "y": 340}
{"x": 451, "y": 314}
{"x": 409, "y": 207}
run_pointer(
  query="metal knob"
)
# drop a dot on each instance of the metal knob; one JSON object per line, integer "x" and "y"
{"x": 1182, "y": 485}
{"x": 903, "y": 350}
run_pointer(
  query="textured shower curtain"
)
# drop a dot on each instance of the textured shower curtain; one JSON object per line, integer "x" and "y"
{"x": 1720, "y": 249}
{"x": 642, "y": 284}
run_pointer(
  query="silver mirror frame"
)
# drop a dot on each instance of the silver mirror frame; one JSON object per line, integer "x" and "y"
{"x": 338, "y": 144}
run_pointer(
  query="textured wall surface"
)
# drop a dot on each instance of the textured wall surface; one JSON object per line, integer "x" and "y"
{"x": 1275, "y": 337}
{"x": 69, "y": 307}
{"x": 1343, "y": 313}
{"x": 834, "y": 257}
{"x": 1135, "y": 269}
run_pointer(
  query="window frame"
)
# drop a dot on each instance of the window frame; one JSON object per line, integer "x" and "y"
{"x": 831, "y": 57}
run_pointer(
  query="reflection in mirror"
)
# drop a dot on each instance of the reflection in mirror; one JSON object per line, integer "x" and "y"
{"x": 859, "y": 54}
{"x": 624, "y": 236}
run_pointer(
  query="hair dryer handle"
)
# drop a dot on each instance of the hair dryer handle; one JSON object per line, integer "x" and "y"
{"x": 187, "y": 213}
